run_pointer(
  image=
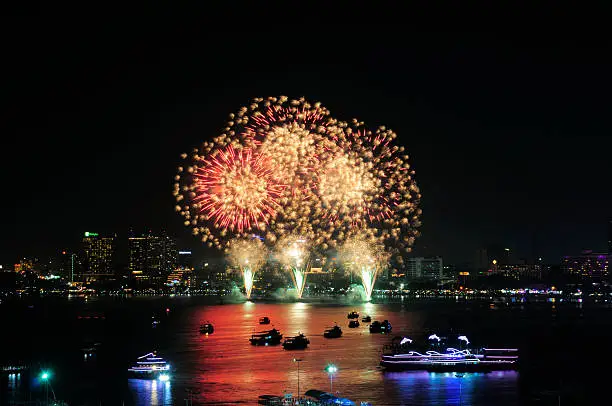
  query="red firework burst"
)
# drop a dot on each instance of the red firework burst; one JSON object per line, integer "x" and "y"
{"x": 237, "y": 189}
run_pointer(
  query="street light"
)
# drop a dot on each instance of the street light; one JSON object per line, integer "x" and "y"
{"x": 331, "y": 370}
{"x": 44, "y": 376}
{"x": 298, "y": 360}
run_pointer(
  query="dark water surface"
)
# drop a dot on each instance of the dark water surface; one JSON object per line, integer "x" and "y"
{"x": 561, "y": 347}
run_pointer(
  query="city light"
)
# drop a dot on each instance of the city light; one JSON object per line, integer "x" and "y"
{"x": 164, "y": 377}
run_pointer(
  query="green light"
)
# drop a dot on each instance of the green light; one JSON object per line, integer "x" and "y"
{"x": 44, "y": 376}
{"x": 88, "y": 234}
{"x": 331, "y": 368}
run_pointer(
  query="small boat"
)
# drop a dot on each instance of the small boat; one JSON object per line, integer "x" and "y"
{"x": 353, "y": 315}
{"x": 380, "y": 327}
{"x": 154, "y": 322}
{"x": 271, "y": 337}
{"x": 150, "y": 366}
{"x": 353, "y": 323}
{"x": 334, "y": 332}
{"x": 299, "y": 342}
{"x": 270, "y": 400}
{"x": 264, "y": 320}
{"x": 207, "y": 328}
{"x": 366, "y": 319}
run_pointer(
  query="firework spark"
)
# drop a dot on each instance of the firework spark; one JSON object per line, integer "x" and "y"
{"x": 293, "y": 252}
{"x": 234, "y": 191}
{"x": 248, "y": 255}
{"x": 366, "y": 256}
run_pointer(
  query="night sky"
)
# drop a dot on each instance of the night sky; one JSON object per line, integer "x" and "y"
{"x": 509, "y": 134}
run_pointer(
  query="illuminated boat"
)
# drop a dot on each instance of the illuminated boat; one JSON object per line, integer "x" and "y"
{"x": 353, "y": 315}
{"x": 383, "y": 327}
{"x": 207, "y": 328}
{"x": 353, "y": 323}
{"x": 366, "y": 319}
{"x": 264, "y": 320}
{"x": 299, "y": 342}
{"x": 451, "y": 359}
{"x": 334, "y": 332}
{"x": 150, "y": 366}
{"x": 272, "y": 337}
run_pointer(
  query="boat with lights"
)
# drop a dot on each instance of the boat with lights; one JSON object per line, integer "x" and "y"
{"x": 353, "y": 315}
{"x": 299, "y": 342}
{"x": 402, "y": 357}
{"x": 150, "y": 366}
{"x": 334, "y": 332}
{"x": 207, "y": 328}
{"x": 383, "y": 327}
{"x": 353, "y": 323}
{"x": 271, "y": 337}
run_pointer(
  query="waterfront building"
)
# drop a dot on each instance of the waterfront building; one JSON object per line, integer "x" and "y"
{"x": 98, "y": 258}
{"x": 588, "y": 265}
{"x": 426, "y": 268}
{"x": 152, "y": 258}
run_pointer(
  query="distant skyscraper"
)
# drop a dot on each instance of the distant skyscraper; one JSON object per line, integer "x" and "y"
{"x": 152, "y": 257}
{"x": 185, "y": 259}
{"x": 420, "y": 267}
{"x": 98, "y": 255}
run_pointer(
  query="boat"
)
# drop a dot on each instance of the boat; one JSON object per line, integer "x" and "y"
{"x": 383, "y": 327}
{"x": 366, "y": 319}
{"x": 154, "y": 322}
{"x": 353, "y": 323}
{"x": 264, "y": 320}
{"x": 207, "y": 328}
{"x": 299, "y": 342}
{"x": 326, "y": 398}
{"x": 150, "y": 366}
{"x": 334, "y": 332}
{"x": 271, "y": 337}
{"x": 450, "y": 359}
{"x": 353, "y": 315}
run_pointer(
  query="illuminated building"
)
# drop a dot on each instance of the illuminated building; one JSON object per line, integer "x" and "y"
{"x": 98, "y": 255}
{"x": 427, "y": 268}
{"x": 519, "y": 271}
{"x": 152, "y": 257}
{"x": 588, "y": 265}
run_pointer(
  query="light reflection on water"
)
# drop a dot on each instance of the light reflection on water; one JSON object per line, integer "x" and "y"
{"x": 227, "y": 369}
{"x": 150, "y": 392}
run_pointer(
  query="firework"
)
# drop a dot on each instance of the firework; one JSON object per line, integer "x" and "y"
{"x": 228, "y": 191}
{"x": 382, "y": 198}
{"x": 248, "y": 255}
{"x": 297, "y": 137}
{"x": 366, "y": 256}
{"x": 293, "y": 252}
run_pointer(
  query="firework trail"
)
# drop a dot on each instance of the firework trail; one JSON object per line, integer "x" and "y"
{"x": 366, "y": 257}
{"x": 293, "y": 252}
{"x": 248, "y": 255}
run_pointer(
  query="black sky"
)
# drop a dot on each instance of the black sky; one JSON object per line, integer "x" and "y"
{"x": 508, "y": 130}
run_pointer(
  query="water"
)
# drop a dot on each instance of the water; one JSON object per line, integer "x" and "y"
{"x": 223, "y": 368}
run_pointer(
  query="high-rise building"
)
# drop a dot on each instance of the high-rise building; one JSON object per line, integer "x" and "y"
{"x": 98, "y": 258}
{"x": 589, "y": 265}
{"x": 185, "y": 259}
{"x": 429, "y": 268}
{"x": 152, "y": 257}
